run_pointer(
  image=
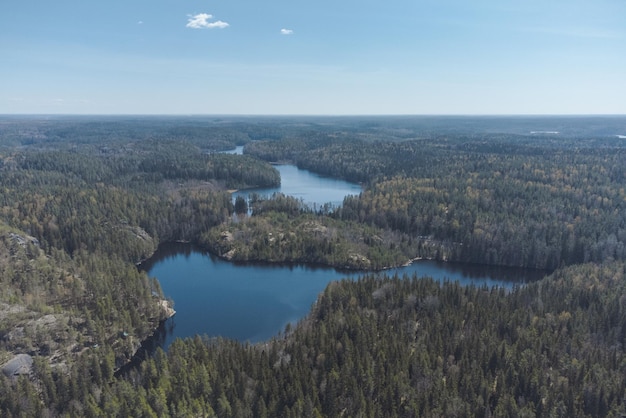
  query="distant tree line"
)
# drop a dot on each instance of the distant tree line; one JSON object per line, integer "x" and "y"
{"x": 84, "y": 199}
{"x": 499, "y": 200}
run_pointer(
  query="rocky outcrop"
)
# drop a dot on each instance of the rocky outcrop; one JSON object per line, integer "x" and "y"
{"x": 167, "y": 309}
{"x": 21, "y": 364}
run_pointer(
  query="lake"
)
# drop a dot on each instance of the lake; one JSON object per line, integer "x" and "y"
{"x": 314, "y": 190}
{"x": 254, "y": 302}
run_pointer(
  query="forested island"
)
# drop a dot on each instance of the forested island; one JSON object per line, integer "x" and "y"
{"x": 84, "y": 199}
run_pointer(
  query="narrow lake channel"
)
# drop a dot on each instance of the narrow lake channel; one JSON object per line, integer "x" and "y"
{"x": 254, "y": 302}
{"x": 314, "y": 190}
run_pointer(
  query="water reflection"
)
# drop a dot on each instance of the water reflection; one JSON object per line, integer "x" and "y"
{"x": 314, "y": 190}
{"x": 236, "y": 151}
{"x": 254, "y": 301}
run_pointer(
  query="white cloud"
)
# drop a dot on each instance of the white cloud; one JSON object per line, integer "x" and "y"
{"x": 201, "y": 21}
{"x": 286, "y": 32}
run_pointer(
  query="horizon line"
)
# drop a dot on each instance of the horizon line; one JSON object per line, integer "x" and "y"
{"x": 315, "y": 114}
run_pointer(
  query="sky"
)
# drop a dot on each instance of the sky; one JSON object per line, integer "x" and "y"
{"x": 313, "y": 57}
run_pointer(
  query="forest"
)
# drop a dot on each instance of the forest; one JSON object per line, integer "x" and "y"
{"x": 84, "y": 199}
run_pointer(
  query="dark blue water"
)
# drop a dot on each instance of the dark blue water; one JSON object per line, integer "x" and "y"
{"x": 253, "y": 302}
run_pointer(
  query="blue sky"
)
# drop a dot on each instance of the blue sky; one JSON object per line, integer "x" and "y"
{"x": 313, "y": 57}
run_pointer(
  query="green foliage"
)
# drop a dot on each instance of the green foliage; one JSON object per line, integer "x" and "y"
{"x": 536, "y": 211}
{"x": 79, "y": 208}
{"x": 492, "y": 199}
{"x": 283, "y": 231}
{"x": 392, "y": 346}
{"x": 83, "y": 199}
{"x": 241, "y": 205}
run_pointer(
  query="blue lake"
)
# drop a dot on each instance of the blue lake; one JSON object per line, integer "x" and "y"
{"x": 254, "y": 302}
{"x": 314, "y": 190}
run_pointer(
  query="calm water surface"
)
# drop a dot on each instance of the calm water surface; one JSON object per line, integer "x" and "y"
{"x": 313, "y": 189}
{"x": 236, "y": 151}
{"x": 253, "y": 302}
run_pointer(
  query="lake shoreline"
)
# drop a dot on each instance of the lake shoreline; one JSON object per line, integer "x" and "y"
{"x": 187, "y": 288}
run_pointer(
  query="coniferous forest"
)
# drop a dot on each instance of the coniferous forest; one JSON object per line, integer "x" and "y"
{"x": 84, "y": 199}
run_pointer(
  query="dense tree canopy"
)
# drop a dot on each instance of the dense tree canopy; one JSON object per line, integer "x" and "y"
{"x": 506, "y": 200}
{"x": 84, "y": 199}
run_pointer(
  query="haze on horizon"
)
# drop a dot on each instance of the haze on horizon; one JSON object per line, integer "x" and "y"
{"x": 328, "y": 58}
